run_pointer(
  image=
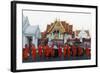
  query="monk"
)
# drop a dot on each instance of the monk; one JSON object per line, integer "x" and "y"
{"x": 40, "y": 50}
{"x": 74, "y": 50}
{"x": 65, "y": 51}
{"x": 87, "y": 51}
{"x": 44, "y": 51}
{"x": 52, "y": 50}
{"x": 68, "y": 51}
{"x": 25, "y": 52}
{"x": 33, "y": 52}
{"x": 47, "y": 51}
{"x": 59, "y": 51}
{"x": 80, "y": 51}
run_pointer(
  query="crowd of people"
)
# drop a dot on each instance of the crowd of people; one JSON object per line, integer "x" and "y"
{"x": 46, "y": 51}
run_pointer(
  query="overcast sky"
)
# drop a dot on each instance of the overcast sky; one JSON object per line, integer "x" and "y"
{"x": 78, "y": 20}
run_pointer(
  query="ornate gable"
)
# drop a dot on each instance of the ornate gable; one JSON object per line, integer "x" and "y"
{"x": 57, "y": 25}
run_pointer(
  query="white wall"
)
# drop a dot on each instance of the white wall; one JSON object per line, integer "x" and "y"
{"x": 5, "y": 36}
{"x": 25, "y": 41}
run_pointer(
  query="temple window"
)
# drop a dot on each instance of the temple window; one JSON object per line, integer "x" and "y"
{"x": 56, "y": 34}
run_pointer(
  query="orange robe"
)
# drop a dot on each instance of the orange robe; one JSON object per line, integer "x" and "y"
{"x": 88, "y": 52}
{"x": 25, "y": 53}
{"x": 40, "y": 51}
{"x": 44, "y": 51}
{"x": 47, "y": 51}
{"x": 68, "y": 51}
{"x": 65, "y": 51}
{"x": 33, "y": 53}
{"x": 52, "y": 51}
{"x": 74, "y": 50}
{"x": 60, "y": 52}
{"x": 80, "y": 51}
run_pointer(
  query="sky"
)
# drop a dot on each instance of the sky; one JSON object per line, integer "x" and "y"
{"x": 42, "y": 18}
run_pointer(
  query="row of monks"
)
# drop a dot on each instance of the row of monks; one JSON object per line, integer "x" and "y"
{"x": 46, "y": 51}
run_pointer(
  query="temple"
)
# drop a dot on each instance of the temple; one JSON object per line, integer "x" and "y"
{"x": 58, "y": 32}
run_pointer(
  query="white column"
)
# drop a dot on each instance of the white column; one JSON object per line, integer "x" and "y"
{"x": 34, "y": 41}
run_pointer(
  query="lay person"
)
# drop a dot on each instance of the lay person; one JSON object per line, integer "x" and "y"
{"x": 25, "y": 52}
{"x": 33, "y": 52}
